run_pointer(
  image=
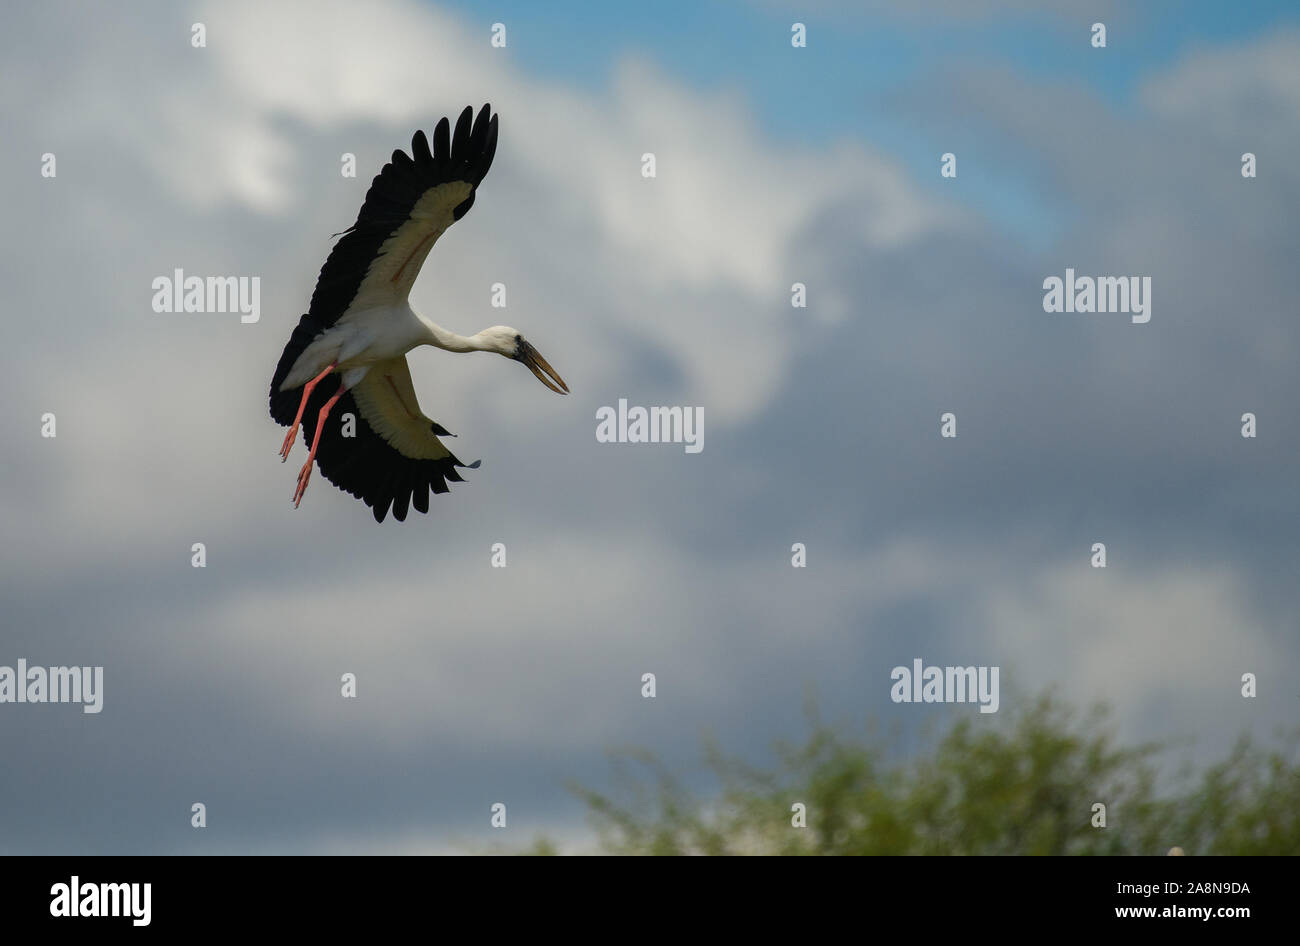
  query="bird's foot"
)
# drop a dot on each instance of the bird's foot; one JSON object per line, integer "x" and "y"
{"x": 304, "y": 475}
{"x": 302, "y": 406}
{"x": 289, "y": 438}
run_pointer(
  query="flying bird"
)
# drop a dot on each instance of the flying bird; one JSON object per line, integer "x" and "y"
{"x": 347, "y": 355}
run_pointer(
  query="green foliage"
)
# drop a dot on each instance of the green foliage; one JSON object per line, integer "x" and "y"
{"x": 1024, "y": 785}
{"x": 541, "y": 847}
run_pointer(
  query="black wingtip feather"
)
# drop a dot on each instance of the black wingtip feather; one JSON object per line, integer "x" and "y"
{"x": 420, "y": 148}
{"x": 489, "y": 151}
{"x": 478, "y": 136}
{"x": 460, "y": 141}
{"x": 442, "y": 140}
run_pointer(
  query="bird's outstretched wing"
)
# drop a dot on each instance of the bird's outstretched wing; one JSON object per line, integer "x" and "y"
{"x": 393, "y": 456}
{"x": 410, "y": 203}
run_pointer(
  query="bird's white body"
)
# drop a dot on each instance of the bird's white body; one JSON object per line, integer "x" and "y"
{"x": 364, "y": 337}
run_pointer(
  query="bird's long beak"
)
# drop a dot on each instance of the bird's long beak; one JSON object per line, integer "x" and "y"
{"x": 537, "y": 364}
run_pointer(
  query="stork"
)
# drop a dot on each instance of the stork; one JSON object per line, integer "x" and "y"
{"x": 347, "y": 355}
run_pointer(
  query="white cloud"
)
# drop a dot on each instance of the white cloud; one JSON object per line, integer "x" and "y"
{"x": 1141, "y": 640}
{"x": 1226, "y": 91}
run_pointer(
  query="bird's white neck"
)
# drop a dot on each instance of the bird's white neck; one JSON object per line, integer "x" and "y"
{"x": 439, "y": 337}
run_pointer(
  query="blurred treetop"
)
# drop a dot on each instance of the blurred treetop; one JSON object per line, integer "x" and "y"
{"x": 1027, "y": 786}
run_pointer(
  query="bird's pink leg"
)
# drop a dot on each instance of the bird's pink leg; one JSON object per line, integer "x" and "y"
{"x": 306, "y": 393}
{"x": 305, "y": 473}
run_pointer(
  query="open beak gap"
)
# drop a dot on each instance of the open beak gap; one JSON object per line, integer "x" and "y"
{"x": 537, "y": 365}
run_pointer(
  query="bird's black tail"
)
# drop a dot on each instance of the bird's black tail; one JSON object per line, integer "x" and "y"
{"x": 284, "y": 404}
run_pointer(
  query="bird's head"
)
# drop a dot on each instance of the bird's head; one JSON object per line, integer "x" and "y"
{"x": 507, "y": 341}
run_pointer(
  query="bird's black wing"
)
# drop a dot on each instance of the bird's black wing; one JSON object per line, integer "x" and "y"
{"x": 394, "y": 457}
{"x": 410, "y": 203}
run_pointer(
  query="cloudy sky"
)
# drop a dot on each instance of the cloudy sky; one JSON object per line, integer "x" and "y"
{"x": 775, "y": 165}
